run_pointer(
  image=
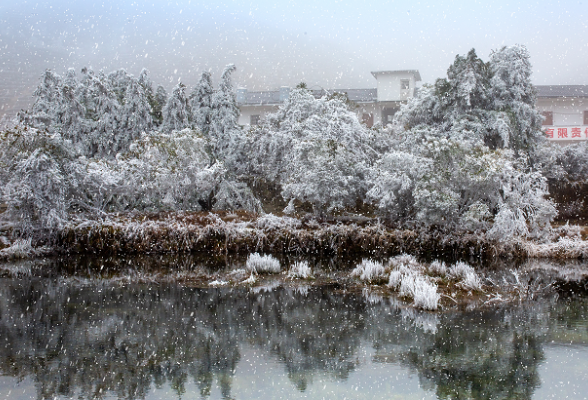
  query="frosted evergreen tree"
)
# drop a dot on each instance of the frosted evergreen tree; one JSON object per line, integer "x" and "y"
{"x": 224, "y": 113}
{"x": 315, "y": 149}
{"x": 136, "y": 114}
{"x": 147, "y": 86}
{"x": 176, "y": 112}
{"x": 102, "y": 140}
{"x": 200, "y": 102}
{"x": 35, "y": 169}
{"x": 119, "y": 81}
{"x": 157, "y": 107}
{"x": 47, "y": 95}
{"x": 514, "y": 98}
{"x": 462, "y": 158}
{"x": 70, "y": 113}
{"x": 493, "y": 102}
{"x": 86, "y": 94}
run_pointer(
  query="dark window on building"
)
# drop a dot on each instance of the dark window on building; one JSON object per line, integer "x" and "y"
{"x": 388, "y": 115}
{"x": 585, "y": 117}
{"x": 549, "y": 117}
{"x": 254, "y": 120}
{"x": 404, "y": 84}
{"x": 368, "y": 119}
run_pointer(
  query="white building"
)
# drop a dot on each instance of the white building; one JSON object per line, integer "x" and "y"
{"x": 565, "y": 108}
{"x": 373, "y": 105}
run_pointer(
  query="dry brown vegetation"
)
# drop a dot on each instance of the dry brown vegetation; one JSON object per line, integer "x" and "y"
{"x": 242, "y": 233}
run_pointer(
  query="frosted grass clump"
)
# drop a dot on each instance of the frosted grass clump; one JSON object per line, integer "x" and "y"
{"x": 263, "y": 264}
{"x": 408, "y": 279}
{"x": 466, "y": 274}
{"x": 395, "y": 279}
{"x": 438, "y": 268}
{"x": 421, "y": 290}
{"x": 300, "y": 269}
{"x": 369, "y": 271}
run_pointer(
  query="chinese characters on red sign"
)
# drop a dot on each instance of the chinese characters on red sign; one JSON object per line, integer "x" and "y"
{"x": 567, "y": 133}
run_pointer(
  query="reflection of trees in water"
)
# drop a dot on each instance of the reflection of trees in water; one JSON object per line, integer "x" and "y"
{"x": 477, "y": 355}
{"x": 125, "y": 340}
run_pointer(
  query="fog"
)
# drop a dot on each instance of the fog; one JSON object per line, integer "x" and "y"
{"x": 328, "y": 44}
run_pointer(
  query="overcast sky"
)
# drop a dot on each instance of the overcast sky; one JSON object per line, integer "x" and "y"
{"x": 326, "y": 43}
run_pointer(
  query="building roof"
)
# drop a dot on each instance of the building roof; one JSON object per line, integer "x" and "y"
{"x": 562, "y": 90}
{"x": 417, "y": 75}
{"x": 272, "y": 97}
{"x": 268, "y": 97}
{"x": 355, "y": 95}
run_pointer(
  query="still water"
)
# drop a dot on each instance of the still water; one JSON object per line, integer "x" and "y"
{"x": 65, "y": 339}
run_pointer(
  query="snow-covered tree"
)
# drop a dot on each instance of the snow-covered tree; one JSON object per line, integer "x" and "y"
{"x": 495, "y": 100}
{"x": 46, "y": 98}
{"x": 315, "y": 149}
{"x": 514, "y": 98}
{"x": 147, "y": 86}
{"x": 176, "y": 112}
{"x": 157, "y": 107}
{"x": 70, "y": 113}
{"x": 462, "y": 159}
{"x": 201, "y": 101}
{"x": 224, "y": 113}
{"x": 119, "y": 81}
{"x": 102, "y": 140}
{"x": 136, "y": 114}
{"x": 36, "y": 167}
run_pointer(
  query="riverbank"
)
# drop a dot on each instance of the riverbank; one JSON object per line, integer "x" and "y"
{"x": 366, "y": 256}
{"x": 223, "y": 233}
{"x": 244, "y": 233}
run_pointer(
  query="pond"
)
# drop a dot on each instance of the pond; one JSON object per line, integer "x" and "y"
{"x": 75, "y": 338}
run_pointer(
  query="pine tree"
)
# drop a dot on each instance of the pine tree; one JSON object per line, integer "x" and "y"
{"x": 200, "y": 102}
{"x": 514, "y": 97}
{"x": 46, "y": 99}
{"x": 136, "y": 114}
{"x": 70, "y": 112}
{"x": 118, "y": 82}
{"x": 147, "y": 86}
{"x": 102, "y": 140}
{"x": 157, "y": 107}
{"x": 176, "y": 111}
{"x": 224, "y": 112}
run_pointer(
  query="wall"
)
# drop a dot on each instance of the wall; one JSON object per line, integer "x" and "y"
{"x": 248, "y": 111}
{"x": 566, "y": 111}
{"x": 389, "y": 86}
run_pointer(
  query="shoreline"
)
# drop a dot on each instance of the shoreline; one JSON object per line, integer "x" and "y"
{"x": 223, "y": 233}
{"x": 365, "y": 257}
